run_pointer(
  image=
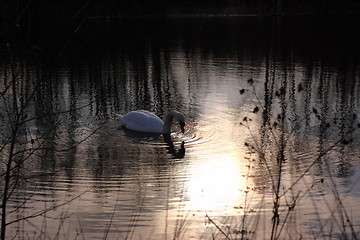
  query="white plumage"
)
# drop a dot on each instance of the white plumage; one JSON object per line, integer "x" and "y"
{"x": 144, "y": 121}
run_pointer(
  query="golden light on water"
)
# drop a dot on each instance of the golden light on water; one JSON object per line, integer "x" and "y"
{"x": 215, "y": 184}
{"x": 216, "y": 176}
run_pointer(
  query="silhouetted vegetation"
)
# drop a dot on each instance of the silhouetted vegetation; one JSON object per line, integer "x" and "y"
{"x": 90, "y": 9}
{"x": 31, "y": 25}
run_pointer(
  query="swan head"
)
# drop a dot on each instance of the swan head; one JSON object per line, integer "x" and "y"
{"x": 178, "y": 117}
{"x": 181, "y": 120}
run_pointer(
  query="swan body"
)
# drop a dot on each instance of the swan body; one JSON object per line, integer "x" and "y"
{"x": 144, "y": 121}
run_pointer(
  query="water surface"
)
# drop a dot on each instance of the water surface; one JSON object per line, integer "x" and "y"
{"x": 265, "y": 100}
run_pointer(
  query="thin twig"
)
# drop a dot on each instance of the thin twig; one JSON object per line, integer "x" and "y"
{"x": 217, "y": 226}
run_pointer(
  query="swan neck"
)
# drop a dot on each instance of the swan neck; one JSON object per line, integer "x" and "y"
{"x": 167, "y": 123}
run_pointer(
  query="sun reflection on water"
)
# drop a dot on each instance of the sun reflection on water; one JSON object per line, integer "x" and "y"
{"x": 216, "y": 180}
{"x": 215, "y": 184}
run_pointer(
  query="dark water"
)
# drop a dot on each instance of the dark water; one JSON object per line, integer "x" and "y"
{"x": 296, "y": 122}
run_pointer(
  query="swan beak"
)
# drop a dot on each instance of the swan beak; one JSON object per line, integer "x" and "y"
{"x": 182, "y": 125}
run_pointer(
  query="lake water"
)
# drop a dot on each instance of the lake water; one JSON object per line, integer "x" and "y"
{"x": 270, "y": 147}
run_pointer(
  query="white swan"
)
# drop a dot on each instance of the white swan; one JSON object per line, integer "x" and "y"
{"x": 144, "y": 121}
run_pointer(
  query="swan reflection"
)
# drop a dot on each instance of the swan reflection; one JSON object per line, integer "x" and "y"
{"x": 143, "y": 137}
{"x": 180, "y": 153}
